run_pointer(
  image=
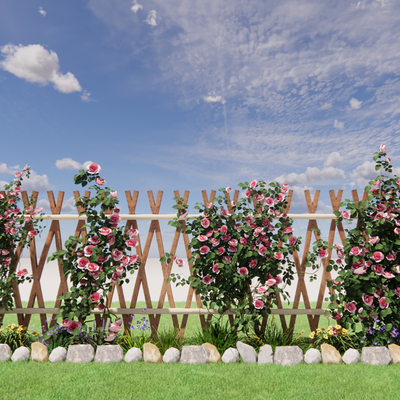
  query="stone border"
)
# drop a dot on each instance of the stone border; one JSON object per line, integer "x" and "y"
{"x": 206, "y": 353}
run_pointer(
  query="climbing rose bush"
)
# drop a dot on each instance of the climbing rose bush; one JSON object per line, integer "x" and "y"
{"x": 241, "y": 260}
{"x": 17, "y": 229}
{"x": 368, "y": 265}
{"x": 102, "y": 258}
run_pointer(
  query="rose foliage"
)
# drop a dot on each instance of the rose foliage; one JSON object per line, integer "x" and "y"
{"x": 368, "y": 282}
{"x": 101, "y": 259}
{"x": 241, "y": 260}
{"x": 17, "y": 229}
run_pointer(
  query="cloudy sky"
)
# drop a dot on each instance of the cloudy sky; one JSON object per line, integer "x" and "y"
{"x": 199, "y": 94}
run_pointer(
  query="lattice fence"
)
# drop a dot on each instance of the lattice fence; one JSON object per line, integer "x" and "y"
{"x": 36, "y": 303}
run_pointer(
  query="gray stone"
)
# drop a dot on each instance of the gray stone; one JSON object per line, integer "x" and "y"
{"x": 266, "y": 355}
{"x": 351, "y": 356}
{"x": 312, "y": 356}
{"x": 172, "y": 355}
{"x": 194, "y": 355}
{"x": 288, "y": 355}
{"x": 80, "y": 353}
{"x": 58, "y": 354}
{"x": 109, "y": 353}
{"x": 21, "y": 354}
{"x": 230, "y": 355}
{"x": 375, "y": 355}
{"x": 133, "y": 355}
{"x": 5, "y": 352}
{"x": 247, "y": 352}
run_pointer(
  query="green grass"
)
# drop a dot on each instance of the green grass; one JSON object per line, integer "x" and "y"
{"x": 182, "y": 381}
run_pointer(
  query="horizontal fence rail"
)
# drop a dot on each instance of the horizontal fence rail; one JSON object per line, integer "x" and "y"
{"x": 127, "y": 307}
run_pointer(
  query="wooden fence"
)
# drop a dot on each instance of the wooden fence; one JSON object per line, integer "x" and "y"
{"x": 36, "y": 302}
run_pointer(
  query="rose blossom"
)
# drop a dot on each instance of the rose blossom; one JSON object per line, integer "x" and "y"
{"x": 227, "y": 259}
{"x": 378, "y": 256}
{"x": 247, "y": 193}
{"x": 100, "y": 181}
{"x": 228, "y": 189}
{"x": 205, "y": 223}
{"x": 93, "y": 168}
{"x": 178, "y": 261}
{"x": 88, "y": 250}
{"x": 292, "y": 240}
{"x": 382, "y": 149}
{"x": 133, "y": 232}
{"x": 374, "y": 240}
{"x": 214, "y": 242}
{"x": 351, "y": 307}
{"x": 345, "y": 214}
{"x": 207, "y": 280}
{"x": 397, "y": 291}
{"x": 83, "y": 263}
{"x": 202, "y": 238}
{"x": 116, "y": 254}
{"x": 382, "y": 303}
{"x": 113, "y": 193}
{"x": 368, "y": 300}
{"x": 221, "y": 251}
{"x": 96, "y": 297}
{"x": 279, "y": 256}
{"x": 323, "y": 253}
{"x": 33, "y": 233}
{"x": 204, "y": 250}
{"x": 259, "y": 304}
{"x": 253, "y": 184}
{"x": 105, "y": 231}
{"x": 387, "y": 275}
{"x": 114, "y": 218}
{"x": 289, "y": 229}
{"x": 224, "y": 229}
{"x": 215, "y": 268}
{"x": 271, "y": 282}
{"x": 253, "y": 263}
{"x": 269, "y": 201}
{"x": 114, "y": 327}
{"x": 262, "y": 289}
{"x": 72, "y": 326}
{"x": 133, "y": 259}
{"x": 131, "y": 243}
{"x": 22, "y": 272}
{"x": 92, "y": 267}
{"x": 242, "y": 271}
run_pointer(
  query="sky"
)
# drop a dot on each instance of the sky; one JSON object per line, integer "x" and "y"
{"x": 200, "y": 94}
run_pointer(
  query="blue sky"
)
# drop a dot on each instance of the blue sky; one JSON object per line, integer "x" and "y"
{"x": 179, "y": 94}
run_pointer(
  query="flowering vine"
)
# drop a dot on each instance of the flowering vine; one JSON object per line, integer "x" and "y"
{"x": 241, "y": 259}
{"x": 101, "y": 259}
{"x": 17, "y": 229}
{"x": 368, "y": 265}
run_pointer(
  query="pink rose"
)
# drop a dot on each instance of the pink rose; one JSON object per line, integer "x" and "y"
{"x": 100, "y": 181}
{"x": 113, "y": 193}
{"x": 93, "y": 168}
{"x": 397, "y": 291}
{"x": 207, "y": 280}
{"x": 22, "y": 272}
{"x": 262, "y": 289}
{"x": 391, "y": 257}
{"x": 105, "y": 231}
{"x": 382, "y": 149}
{"x": 111, "y": 336}
{"x": 114, "y": 218}
{"x": 259, "y": 304}
{"x": 382, "y": 303}
{"x": 388, "y": 275}
{"x": 132, "y": 243}
{"x": 114, "y": 327}
{"x": 225, "y": 238}
{"x": 289, "y": 229}
{"x": 94, "y": 240}
{"x": 227, "y": 259}
{"x": 221, "y": 251}
{"x": 345, "y": 214}
{"x": 202, "y": 238}
{"x": 95, "y": 297}
{"x": 116, "y": 254}
{"x": 214, "y": 242}
{"x": 378, "y": 256}
{"x": 269, "y": 201}
{"x": 323, "y": 253}
{"x": 253, "y": 263}
{"x": 179, "y": 262}
{"x": 73, "y": 325}
{"x": 253, "y": 184}
{"x": 215, "y": 268}
{"x": 262, "y": 250}
{"x": 133, "y": 232}
{"x": 83, "y": 263}
{"x": 18, "y": 174}
{"x": 92, "y": 267}
{"x": 223, "y": 229}
{"x": 271, "y": 282}
{"x": 205, "y": 223}
{"x": 88, "y": 250}
{"x": 368, "y": 300}
{"x": 243, "y": 241}
{"x": 242, "y": 271}
{"x": 204, "y": 250}
{"x": 351, "y": 307}
{"x": 292, "y": 240}
{"x": 133, "y": 259}
{"x": 228, "y": 189}
{"x": 279, "y": 256}
{"x": 374, "y": 240}
{"x": 247, "y": 193}
{"x": 355, "y": 251}
{"x": 32, "y": 233}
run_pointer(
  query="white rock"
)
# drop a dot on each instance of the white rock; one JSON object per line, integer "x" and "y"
{"x": 109, "y": 353}
{"x": 351, "y": 356}
{"x": 172, "y": 355}
{"x": 248, "y": 354}
{"x": 312, "y": 356}
{"x": 5, "y": 352}
{"x": 266, "y": 355}
{"x": 230, "y": 355}
{"x": 194, "y": 355}
{"x": 288, "y": 355}
{"x": 80, "y": 353}
{"x": 375, "y": 355}
{"x": 133, "y": 355}
{"x": 58, "y": 354}
{"x": 21, "y": 354}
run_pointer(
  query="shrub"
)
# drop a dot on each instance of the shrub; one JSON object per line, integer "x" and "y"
{"x": 17, "y": 335}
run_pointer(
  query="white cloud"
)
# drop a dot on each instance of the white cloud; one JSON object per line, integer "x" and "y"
{"x": 69, "y": 163}
{"x": 333, "y": 159}
{"x": 36, "y": 182}
{"x": 355, "y": 104}
{"x": 85, "y": 96}
{"x": 338, "y": 124}
{"x": 42, "y": 11}
{"x": 151, "y": 18}
{"x": 37, "y": 65}
{"x": 312, "y": 174}
{"x": 366, "y": 172}
{"x": 136, "y": 7}
{"x": 325, "y": 106}
{"x": 212, "y": 98}
{"x": 8, "y": 170}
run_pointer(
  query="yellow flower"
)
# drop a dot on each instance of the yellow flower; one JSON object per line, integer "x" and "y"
{"x": 312, "y": 335}
{"x": 338, "y": 327}
{"x": 325, "y": 336}
{"x": 344, "y": 331}
{"x": 322, "y": 329}
{"x": 330, "y": 333}
{"x": 34, "y": 333}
